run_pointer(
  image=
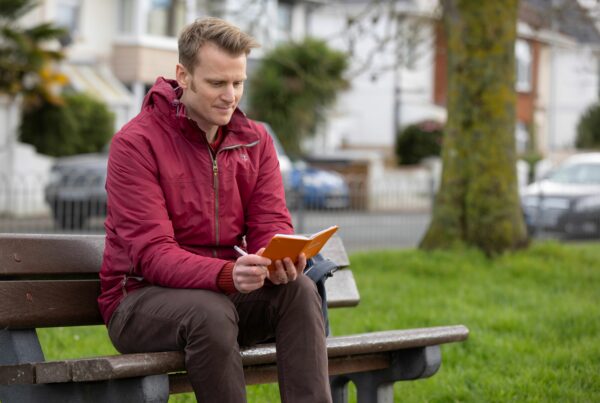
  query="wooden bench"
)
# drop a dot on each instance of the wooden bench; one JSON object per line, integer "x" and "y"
{"x": 52, "y": 280}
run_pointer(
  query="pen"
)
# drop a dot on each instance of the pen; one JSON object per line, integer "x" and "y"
{"x": 240, "y": 250}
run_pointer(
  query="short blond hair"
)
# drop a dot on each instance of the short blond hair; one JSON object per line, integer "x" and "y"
{"x": 226, "y": 36}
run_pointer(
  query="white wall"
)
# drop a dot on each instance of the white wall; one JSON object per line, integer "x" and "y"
{"x": 23, "y": 172}
{"x": 98, "y": 25}
{"x": 575, "y": 80}
{"x": 364, "y": 114}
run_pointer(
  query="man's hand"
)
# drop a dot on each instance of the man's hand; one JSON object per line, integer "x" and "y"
{"x": 286, "y": 270}
{"x": 249, "y": 272}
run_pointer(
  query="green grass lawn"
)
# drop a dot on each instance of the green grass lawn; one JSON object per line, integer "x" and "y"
{"x": 534, "y": 318}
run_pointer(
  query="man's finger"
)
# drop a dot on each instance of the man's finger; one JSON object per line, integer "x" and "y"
{"x": 290, "y": 269}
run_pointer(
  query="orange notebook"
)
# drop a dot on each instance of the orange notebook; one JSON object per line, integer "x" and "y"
{"x": 281, "y": 246}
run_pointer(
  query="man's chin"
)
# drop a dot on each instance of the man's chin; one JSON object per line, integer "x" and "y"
{"x": 223, "y": 119}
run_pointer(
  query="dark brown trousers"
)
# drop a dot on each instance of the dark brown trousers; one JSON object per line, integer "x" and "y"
{"x": 209, "y": 327}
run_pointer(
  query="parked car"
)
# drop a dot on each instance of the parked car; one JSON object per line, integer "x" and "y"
{"x": 75, "y": 191}
{"x": 567, "y": 199}
{"x": 317, "y": 188}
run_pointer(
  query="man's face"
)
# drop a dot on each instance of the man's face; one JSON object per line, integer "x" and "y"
{"x": 213, "y": 91}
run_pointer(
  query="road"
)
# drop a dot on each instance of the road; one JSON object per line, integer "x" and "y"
{"x": 360, "y": 230}
{"x": 368, "y": 231}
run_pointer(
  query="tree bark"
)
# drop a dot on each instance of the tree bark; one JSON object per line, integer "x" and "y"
{"x": 478, "y": 202}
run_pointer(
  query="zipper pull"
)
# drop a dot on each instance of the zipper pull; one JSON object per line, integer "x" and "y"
{"x": 124, "y": 285}
{"x": 215, "y": 174}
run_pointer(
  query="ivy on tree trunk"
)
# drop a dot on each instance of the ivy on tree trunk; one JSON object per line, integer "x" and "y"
{"x": 478, "y": 203}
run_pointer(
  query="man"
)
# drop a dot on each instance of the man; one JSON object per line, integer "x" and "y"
{"x": 188, "y": 179}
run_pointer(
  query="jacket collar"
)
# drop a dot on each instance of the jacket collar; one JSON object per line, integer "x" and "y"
{"x": 164, "y": 99}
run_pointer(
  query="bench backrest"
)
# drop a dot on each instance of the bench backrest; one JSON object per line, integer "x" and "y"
{"x": 52, "y": 280}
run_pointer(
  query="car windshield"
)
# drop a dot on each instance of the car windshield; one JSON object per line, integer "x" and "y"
{"x": 577, "y": 174}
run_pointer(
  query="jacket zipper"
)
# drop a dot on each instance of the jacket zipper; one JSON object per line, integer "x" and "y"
{"x": 215, "y": 169}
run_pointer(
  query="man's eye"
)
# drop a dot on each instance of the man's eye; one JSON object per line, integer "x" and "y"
{"x": 238, "y": 83}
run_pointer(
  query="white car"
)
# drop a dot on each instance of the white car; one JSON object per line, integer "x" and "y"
{"x": 567, "y": 198}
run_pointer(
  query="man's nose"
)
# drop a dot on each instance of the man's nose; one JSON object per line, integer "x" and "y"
{"x": 228, "y": 93}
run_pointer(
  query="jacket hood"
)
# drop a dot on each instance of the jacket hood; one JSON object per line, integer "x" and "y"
{"x": 164, "y": 95}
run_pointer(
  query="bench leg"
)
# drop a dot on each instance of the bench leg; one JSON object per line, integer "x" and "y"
{"x": 150, "y": 389}
{"x": 19, "y": 346}
{"x": 378, "y": 386}
{"x": 23, "y": 346}
{"x": 339, "y": 388}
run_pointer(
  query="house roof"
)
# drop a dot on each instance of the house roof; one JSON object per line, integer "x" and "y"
{"x": 565, "y": 16}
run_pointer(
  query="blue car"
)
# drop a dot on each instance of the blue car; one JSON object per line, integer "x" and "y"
{"x": 317, "y": 188}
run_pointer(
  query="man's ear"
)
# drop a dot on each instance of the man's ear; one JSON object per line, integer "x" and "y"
{"x": 182, "y": 76}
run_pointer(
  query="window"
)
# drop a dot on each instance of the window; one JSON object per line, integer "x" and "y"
{"x": 524, "y": 61}
{"x": 126, "y": 16}
{"x": 284, "y": 20}
{"x": 213, "y": 8}
{"x": 67, "y": 16}
{"x": 521, "y": 137}
{"x": 166, "y": 17}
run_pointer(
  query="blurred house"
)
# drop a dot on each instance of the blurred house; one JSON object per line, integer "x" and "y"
{"x": 403, "y": 81}
{"x": 116, "y": 48}
{"x": 556, "y": 73}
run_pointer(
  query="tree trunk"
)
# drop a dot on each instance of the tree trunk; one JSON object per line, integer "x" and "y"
{"x": 478, "y": 202}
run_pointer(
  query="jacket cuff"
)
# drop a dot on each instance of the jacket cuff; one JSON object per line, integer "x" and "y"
{"x": 225, "y": 278}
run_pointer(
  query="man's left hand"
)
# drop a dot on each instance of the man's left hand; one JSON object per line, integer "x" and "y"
{"x": 286, "y": 270}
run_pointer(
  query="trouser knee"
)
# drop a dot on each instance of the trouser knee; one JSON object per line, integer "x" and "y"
{"x": 214, "y": 324}
{"x": 301, "y": 295}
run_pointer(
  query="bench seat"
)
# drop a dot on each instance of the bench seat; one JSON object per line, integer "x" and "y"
{"x": 371, "y": 351}
{"x": 52, "y": 280}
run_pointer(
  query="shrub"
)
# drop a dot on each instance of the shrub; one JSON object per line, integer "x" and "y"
{"x": 588, "y": 128}
{"x": 51, "y": 129}
{"x": 417, "y": 141}
{"x": 96, "y": 121}
{"x": 293, "y": 86}
{"x": 81, "y": 124}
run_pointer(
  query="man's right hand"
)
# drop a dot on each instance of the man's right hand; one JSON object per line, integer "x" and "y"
{"x": 249, "y": 272}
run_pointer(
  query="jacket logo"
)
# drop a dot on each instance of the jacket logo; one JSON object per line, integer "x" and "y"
{"x": 244, "y": 156}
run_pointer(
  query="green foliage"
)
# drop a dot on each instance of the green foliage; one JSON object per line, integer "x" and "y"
{"x": 81, "y": 124}
{"x": 95, "y": 121}
{"x": 588, "y": 129}
{"x": 51, "y": 128}
{"x": 533, "y": 316}
{"x": 534, "y": 319}
{"x": 293, "y": 86}
{"x": 25, "y": 65}
{"x": 418, "y": 141}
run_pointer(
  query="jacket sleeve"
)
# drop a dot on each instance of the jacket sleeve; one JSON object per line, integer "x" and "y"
{"x": 140, "y": 219}
{"x": 267, "y": 213}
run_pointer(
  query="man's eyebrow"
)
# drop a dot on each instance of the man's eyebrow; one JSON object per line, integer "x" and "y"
{"x": 223, "y": 80}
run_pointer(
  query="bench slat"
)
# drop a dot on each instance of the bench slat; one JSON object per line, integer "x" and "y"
{"x": 35, "y": 254}
{"x": 56, "y": 254}
{"x": 17, "y": 374}
{"x": 260, "y": 374}
{"x": 342, "y": 290}
{"x": 340, "y": 347}
{"x": 48, "y": 303}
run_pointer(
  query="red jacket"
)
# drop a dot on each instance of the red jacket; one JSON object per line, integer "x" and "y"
{"x": 174, "y": 210}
